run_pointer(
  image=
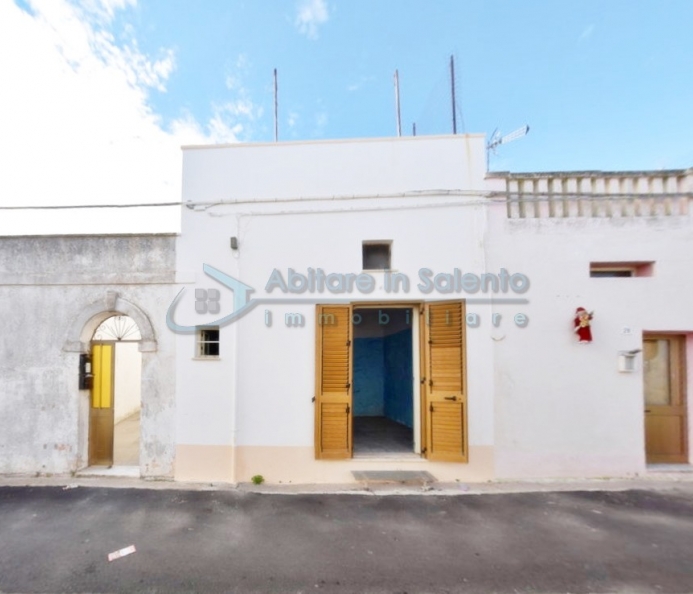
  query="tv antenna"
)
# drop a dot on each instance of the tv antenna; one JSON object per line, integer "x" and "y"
{"x": 496, "y": 140}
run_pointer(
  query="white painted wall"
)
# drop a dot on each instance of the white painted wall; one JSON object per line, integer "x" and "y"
{"x": 331, "y": 168}
{"x": 562, "y": 408}
{"x": 265, "y": 376}
{"x": 548, "y": 406}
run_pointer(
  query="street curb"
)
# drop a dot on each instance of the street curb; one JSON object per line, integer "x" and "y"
{"x": 651, "y": 482}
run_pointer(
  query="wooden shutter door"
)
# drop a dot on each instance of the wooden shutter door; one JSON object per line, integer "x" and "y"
{"x": 445, "y": 384}
{"x": 333, "y": 382}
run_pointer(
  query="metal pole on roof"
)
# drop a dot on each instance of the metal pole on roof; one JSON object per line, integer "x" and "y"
{"x": 452, "y": 87}
{"x": 276, "y": 118}
{"x": 399, "y": 118}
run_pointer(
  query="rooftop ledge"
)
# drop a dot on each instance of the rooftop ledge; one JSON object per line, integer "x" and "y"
{"x": 590, "y": 173}
{"x": 334, "y": 141}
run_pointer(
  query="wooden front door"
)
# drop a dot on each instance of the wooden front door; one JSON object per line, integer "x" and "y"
{"x": 333, "y": 398}
{"x": 444, "y": 381}
{"x": 101, "y": 406}
{"x": 664, "y": 381}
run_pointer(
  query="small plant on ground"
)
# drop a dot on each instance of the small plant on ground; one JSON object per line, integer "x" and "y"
{"x": 258, "y": 479}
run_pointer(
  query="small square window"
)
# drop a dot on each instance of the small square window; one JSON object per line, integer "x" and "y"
{"x": 208, "y": 342}
{"x": 377, "y": 255}
{"x": 621, "y": 269}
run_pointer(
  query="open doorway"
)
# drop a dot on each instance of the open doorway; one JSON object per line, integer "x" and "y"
{"x": 383, "y": 376}
{"x": 354, "y": 390}
{"x": 114, "y": 421}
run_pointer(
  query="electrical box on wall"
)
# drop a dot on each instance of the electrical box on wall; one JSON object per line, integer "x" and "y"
{"x": 626, "y": 361}
{"x": 85, "y": 374}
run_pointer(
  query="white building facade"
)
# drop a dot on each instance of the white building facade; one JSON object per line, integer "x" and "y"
{"x": 336, "y": 307}
{"x": 388, "y": 305}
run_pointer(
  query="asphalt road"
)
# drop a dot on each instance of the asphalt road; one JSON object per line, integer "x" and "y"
{"x": 54, "y": 540}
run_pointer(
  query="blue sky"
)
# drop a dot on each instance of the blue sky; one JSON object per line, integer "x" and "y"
{"x": 115, "y": 86}
{"x": 602, "y": 84}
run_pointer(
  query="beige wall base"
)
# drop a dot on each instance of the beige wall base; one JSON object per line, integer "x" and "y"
{"x": 297, "y": 465}
{"x": 204, "y": 464}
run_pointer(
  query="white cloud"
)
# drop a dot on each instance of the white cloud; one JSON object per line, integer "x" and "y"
{"x": 310, "y": 15}
{"x": 232, "y": 82}
{"x": 242, "y": 62}
{"x": 188, "y": 131}
{"x": 357, "y": 86}
{"x": 321, "y": 120}
{"x": 242, "y": 106}
{"x": 77, "y": 124}
{"x": 292, "y": 120}
{"x": 104, "y": 9}
{"x": 587, "y": 32}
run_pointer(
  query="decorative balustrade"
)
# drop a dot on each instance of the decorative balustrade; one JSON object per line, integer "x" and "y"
{"x": 598, "y": 194}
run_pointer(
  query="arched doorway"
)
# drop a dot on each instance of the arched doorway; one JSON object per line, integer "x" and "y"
{"x": 156, "y": 434}
{"x": 115, "y": 395}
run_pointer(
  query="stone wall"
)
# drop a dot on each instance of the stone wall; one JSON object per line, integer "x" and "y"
{"x": 54, "y": 292}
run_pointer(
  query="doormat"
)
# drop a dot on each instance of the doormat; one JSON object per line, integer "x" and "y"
{"x": 401, "y": 477}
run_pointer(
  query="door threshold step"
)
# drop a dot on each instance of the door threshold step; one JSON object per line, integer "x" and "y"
{"x": 113, "y": 471}
{"x": 669, "y": 468}
{"x": 399, "y": 477}
{"x": 399, "y": 456}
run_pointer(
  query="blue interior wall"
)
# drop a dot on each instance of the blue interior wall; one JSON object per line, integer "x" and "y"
{"x": 398, "y": 380}
{"x": 383, "y": 377}
{"x": 369, "y": 377}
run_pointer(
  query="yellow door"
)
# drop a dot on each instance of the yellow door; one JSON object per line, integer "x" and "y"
{"x": 333, "y": 427}
{"x": 444, "y": 381}
{"x": 101, "y": 409}
{"x": 665, "y": 399}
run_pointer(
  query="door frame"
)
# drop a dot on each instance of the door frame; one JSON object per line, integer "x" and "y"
{"x": 681, "y": 383}
{"x": 338, "y": 424}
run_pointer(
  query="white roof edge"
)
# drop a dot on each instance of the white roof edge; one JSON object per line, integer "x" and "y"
{"x": 93, "y": 235}
{"x": 332, "y": 141}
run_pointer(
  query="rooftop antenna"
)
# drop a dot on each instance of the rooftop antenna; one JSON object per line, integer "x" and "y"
{"x": 496, "y": 140}
{"x": 452, "y": 94}
{"x": 397, "y": 110}
{"x": 276, "y": 110}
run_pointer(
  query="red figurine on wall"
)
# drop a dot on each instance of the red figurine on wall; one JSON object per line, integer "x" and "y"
{"x": 582, "y": 324}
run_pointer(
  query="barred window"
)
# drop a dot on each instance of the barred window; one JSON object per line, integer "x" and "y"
{"x": 208, "y": 342}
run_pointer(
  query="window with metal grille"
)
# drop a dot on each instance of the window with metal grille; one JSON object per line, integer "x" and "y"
{"x": 207, "y": 342}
